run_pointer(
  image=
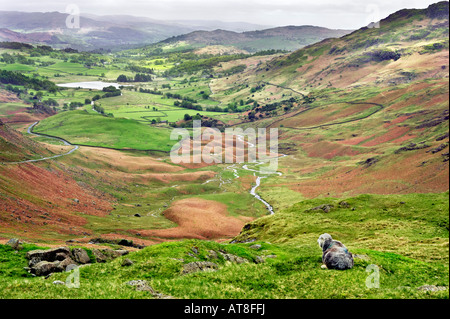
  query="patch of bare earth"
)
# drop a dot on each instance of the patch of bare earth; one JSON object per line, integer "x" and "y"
{"x": 198, "y": 218}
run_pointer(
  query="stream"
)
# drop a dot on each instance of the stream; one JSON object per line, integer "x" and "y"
{"x": 258, "y": 178}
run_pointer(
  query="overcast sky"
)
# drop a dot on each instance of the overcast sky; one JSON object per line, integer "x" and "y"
{"x": 344, "y": 14}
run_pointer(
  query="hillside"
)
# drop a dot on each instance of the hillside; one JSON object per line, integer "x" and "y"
{"x": 280, "y": 38}
{"x": 369, "y": 111}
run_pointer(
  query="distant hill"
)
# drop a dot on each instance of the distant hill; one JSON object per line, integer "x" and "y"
{"x": 283, "y": 38}
{"x": 107, "y": 32}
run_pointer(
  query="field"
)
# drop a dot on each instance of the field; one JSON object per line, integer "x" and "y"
{"x": 139, "y": 106}
{"x": 80, "y": 127}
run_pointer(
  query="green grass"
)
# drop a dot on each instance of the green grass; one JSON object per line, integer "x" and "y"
{"x": 80, "y": 127}
{"x": 139, "y": 106}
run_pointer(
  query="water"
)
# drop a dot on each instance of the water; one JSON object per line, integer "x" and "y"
{"x": 94, "y": 85}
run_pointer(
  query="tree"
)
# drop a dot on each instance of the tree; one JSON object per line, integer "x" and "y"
{"x": 122, "y": 78}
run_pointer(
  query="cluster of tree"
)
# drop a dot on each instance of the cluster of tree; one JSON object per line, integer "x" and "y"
{"x": 154, "y": 91}
{"x": 19, "y": 58}
{"x": 205, "y": 121}
{"x": 382, "y": 55}
{"x": 139, "y": 77}
{"x": 257, "y": 88}
{"x": 15, "y": 45}
{"x": 215, "y": 109}
{"x": 140, "y": 69}
{"x": 50, "y": 102}
{"x": 188, "y": 105}
{"x": 111, "y": 91}
{"x": 72, "y": 105}
{"x": 17, "y": 78}
{"x": 180, "y": 97}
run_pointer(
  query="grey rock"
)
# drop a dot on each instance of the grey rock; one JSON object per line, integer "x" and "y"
{"x": 58, "y": 282}
{"x": 44, "y": 268}
{"x": 14, "y": 243}
{"x": 324, "y": 207}
{"x": 199, "y": 266}
{"x": 256, "y": 246}
{"x": 59, "y": 253}
{"x": 66, "y": 262}
{"x": 432, "y": 288}
{"x": 104, "y": 255}
{"x": 80, "y": 256}
{"x": 344, "y": 204}
{"x": 142, "y": 285}
{"x": 234, "y": 258}
{"x": 259, "y": 260}
{"x": 127, "y": 262}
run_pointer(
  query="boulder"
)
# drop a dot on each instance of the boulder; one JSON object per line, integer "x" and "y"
{"x": 66, "y": 262}
{"x": 325, "y": 208}
{"x": 52, "y": 254}
{"x": 43, "y": 268}
{"x": 15, "y": 244}
{"x": 234, "y": 258}
{"x": 127, "y": 262}
{"x": 80, "y": 256}
{"x": 104, "y": 255}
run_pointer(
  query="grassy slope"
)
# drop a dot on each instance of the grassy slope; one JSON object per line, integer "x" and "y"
{"x": 380, "y": 227}
{"x": 80, "y": 127}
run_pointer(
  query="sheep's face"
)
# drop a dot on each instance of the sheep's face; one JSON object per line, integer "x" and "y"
{"x": 323, "y": 238}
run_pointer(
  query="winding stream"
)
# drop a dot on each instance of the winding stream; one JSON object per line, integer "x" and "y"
{"x": 258, "y": 178}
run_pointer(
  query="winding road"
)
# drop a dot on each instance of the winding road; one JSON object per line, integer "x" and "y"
{"x": 30, "y": 131}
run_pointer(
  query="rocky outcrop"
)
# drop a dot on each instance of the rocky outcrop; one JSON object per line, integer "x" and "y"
{"x": 80, "y": 256}
{"x": 142, "y": 285}
{"x": 104, "y": 255}
{"x": 44, "y": 262}
{"x": 199, "y": 266}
